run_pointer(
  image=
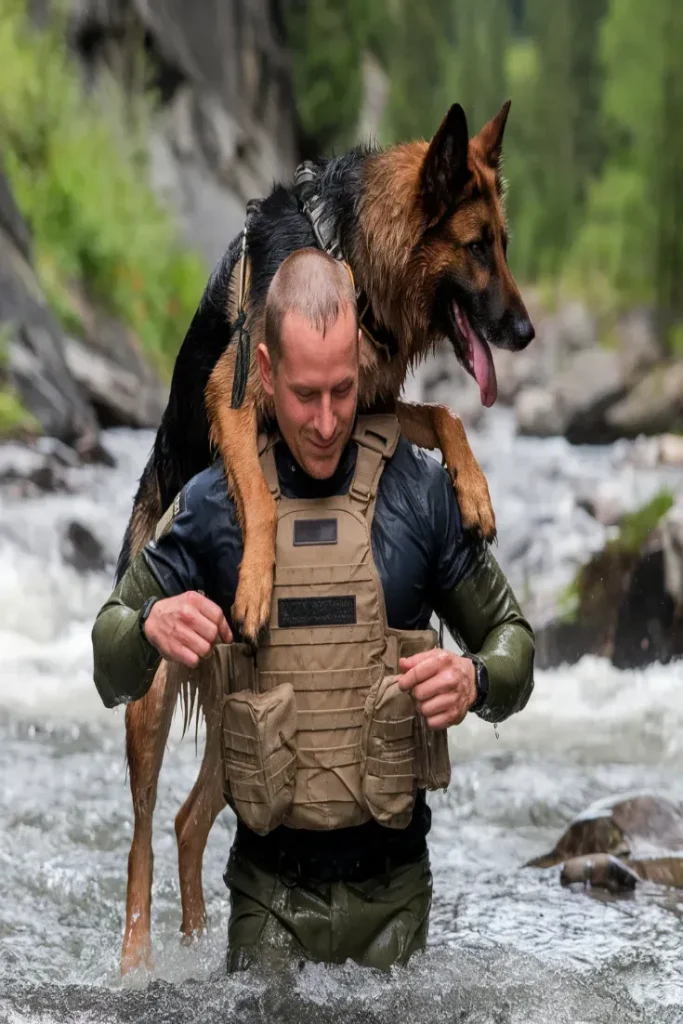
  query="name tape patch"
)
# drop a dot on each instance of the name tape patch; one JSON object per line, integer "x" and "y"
{"x": 316, "y": 611}
{"x": 315, "y": 531}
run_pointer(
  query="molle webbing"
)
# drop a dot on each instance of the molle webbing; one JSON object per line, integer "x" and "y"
{"x": 330, "y": 655}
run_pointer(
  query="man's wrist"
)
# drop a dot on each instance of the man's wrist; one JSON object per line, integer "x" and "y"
{"x": 481, "y": 682}
{"x": 143, "y": 615}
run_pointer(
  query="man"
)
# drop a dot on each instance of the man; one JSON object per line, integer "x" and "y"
{"x": 370, "y": 543}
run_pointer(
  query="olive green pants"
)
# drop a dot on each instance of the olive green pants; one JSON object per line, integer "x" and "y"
{"x": 377, "y": 923}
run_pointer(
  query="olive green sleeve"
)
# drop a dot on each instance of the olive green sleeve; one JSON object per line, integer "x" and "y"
{"x": 486, "y": 621}
{"x": 124, "y": 662}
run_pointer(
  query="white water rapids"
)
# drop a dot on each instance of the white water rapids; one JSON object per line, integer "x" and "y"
{"x": 507, "y": 944}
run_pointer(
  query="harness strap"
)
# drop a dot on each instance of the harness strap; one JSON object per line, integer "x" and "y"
{"x": 266, "y": 450}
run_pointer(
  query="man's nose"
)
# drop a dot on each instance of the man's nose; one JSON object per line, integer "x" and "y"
{"x": 326, "y": 421}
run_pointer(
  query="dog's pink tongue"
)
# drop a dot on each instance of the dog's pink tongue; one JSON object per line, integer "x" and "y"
{"x": 482, "y": 363}
{"x": 484, "y": 371}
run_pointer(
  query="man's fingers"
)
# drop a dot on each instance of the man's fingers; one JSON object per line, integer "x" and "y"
{"x": 440, "y": 704}
{"x": 209, "y": 609}
{"x": 443, "y": 721}
{"x": 183, "y": 656}
{"x": 195, "y": 620}
{"x": 186, "y": 637}
{"x": 407, "y": 663}
{"x": 422, "y": 670}
{"x": 224, "y": 630}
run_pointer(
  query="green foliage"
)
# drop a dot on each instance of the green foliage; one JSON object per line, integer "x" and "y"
{"x": 478, "y": 71}
{"x": 81, "y": 182}
{"x": 420, "y": 61}
{"x": 635, "y": 527}
{"x": 327, "y": 39}
{"x": 14, "y": 418}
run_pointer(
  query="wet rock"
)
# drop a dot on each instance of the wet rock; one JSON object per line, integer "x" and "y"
{"x": 120, "y": 396}
{"x": 654, "y": 405}
{"x": 538, "y": 413}
{"x": 81, "y": 549}
{"x": 639, "y": 347}
{"x": 593, "y": 382}
{"x": 628, "y": 599}
{"x": 26, "y": 470}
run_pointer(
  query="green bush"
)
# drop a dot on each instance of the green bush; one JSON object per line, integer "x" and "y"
{"x": 81, "y": 181}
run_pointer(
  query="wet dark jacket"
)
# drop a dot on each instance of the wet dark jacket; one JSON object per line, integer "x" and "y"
{"x": 425, "y": 561}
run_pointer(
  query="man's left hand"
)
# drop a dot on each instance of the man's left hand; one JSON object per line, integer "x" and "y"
{"x": 443, "y": 684}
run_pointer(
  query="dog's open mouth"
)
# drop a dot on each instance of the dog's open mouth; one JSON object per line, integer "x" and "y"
{"x": 477, "y": 358}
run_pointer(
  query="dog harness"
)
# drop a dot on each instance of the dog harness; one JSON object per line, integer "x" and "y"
{"x": 316, "y": 733}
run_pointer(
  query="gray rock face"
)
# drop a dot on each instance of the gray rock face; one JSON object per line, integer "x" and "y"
{"x": 226, "y": 128}
{"x": 120, "y": 397}
{"x": 36, "y": 364}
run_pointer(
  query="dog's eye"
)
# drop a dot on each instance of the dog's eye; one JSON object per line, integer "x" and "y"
{"x": 477, "y": 249}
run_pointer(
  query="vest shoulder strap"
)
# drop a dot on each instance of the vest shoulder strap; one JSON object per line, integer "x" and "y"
{"x": 377, "y": 437}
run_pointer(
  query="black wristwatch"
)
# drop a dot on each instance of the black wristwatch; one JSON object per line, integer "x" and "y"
{"x": 144, "y": 615}
{"x": 482, "y": 683}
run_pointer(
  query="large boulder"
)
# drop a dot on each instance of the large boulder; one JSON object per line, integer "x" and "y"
{"x": 574, "y": 402}
{"x": 627, "y": 603}
{"x": 110, "y": 367}
{"x": 654, "y": 405}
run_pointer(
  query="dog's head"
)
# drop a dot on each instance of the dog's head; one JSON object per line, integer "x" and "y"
{"x": 475, "y": 301}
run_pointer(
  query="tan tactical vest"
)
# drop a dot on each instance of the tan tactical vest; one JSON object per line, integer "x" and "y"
{"x": 316, "y": 733}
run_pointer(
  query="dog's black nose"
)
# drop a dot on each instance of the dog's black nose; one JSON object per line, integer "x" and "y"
{"x": 523, "y": 330}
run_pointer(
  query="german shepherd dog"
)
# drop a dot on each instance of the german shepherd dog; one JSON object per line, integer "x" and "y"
{"x": 422, "y": 227}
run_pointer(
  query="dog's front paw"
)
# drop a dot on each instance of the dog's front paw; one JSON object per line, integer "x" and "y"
{"x": 251, "y": 610}
{"x": 476, "y": 510}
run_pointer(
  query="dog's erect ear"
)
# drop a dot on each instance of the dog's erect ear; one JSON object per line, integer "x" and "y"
{"x": 445, "y": 171}
{"x": 491, "y": 135}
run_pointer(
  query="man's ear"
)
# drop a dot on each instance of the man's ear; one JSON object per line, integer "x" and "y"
{"x": 444, "y": 170}
{"x": 266, "y": 371}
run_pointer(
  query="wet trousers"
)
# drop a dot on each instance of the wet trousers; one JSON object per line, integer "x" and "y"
{"x": 275, "y": 920}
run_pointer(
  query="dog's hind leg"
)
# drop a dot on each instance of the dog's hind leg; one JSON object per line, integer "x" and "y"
{"x": 148, "y": 722}
{"x": 434, "y": 426}
{"x": 196, "y": 817}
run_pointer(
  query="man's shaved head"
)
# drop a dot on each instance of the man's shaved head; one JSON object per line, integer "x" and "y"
{"x": 311, "y": 284}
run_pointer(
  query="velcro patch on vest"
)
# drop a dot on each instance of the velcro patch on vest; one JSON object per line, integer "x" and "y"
{"x": 293, "y": 612}
{"x": 314, "y": 531}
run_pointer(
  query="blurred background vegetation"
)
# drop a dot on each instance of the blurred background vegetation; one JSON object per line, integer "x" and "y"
{"x": 593, "y": 151}
{"x": 594, "y": 146}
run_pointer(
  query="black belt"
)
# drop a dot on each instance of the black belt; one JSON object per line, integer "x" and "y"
{"x": 295, "y": 866}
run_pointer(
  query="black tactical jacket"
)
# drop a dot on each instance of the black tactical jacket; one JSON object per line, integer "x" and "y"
{"x": 425, "y": 561}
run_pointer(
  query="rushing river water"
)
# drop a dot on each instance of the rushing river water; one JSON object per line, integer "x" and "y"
{"x": 507, "y": 944}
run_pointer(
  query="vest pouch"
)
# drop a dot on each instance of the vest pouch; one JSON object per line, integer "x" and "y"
{"x": 433, "y": 756}
{"x": 388, "y": 763}
{"x": 259, "y": 755}
{"x": 431, "y": 745}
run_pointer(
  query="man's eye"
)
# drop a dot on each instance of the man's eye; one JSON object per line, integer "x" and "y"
{"x": 343, "y": 391}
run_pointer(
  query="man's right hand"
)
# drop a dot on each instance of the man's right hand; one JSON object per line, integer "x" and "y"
{"x": 184, "y": 628}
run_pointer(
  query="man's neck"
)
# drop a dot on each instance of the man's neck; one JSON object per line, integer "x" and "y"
{"x": 295, "y": 481}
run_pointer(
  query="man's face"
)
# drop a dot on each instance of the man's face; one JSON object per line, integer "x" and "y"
{"x": 314, "y": 389}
